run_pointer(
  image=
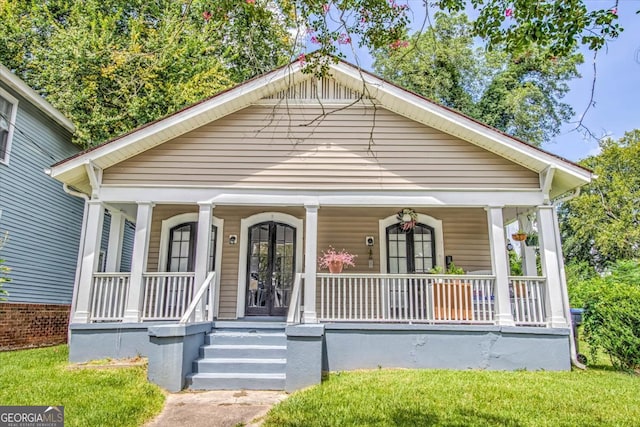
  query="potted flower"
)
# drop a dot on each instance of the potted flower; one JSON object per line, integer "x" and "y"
{"x": 519, "y": 236}
{"x": 531, "y": 240}
{"x": 335, "y": 261}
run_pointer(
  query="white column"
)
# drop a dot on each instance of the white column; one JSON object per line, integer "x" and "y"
{"x": 89, "y": 260}
{"x": 116, "y": 234}
{"x": 527, "y": 254}
{"x": 500, "y": 266}
{"x": 310, "y": 263}
{"x": 139, "y": 262}
{"x": 203, "y": 246}
{"x": 549, "y": 253}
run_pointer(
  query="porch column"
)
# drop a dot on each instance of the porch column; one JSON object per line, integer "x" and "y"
{"x": 203, "y": 246}
{"x": 528, "y": 254}
{"x": 310, "y": 260}
{"x": 550, "y": 251}
{"x": 116, "y": 234}
{"x": 89, "y": 261}
{"x": 500, "y": 266}
{"x": 139, "y": 262}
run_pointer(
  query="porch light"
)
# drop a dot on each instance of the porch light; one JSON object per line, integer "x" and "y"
{"x": 233, "y": 239}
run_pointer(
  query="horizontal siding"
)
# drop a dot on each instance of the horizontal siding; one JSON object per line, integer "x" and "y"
{"x": 43, "y": 222}
{"x": 295, "y": 147}
{"x": 465, "y": 238}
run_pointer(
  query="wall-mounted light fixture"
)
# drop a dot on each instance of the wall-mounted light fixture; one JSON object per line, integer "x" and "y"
{"x": 369, "y": 241}
{"x": 233, "y": 239}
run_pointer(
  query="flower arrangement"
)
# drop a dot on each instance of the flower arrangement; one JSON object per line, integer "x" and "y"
{"x": 334, "y": 260}
{"x": 408, "y": 218}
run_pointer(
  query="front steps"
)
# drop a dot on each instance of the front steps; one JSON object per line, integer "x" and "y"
{"x": 242, "y": 355}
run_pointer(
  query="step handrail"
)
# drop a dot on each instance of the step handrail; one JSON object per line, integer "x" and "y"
{"x": 208, "y": 283}
{"x": 293, "y": 316}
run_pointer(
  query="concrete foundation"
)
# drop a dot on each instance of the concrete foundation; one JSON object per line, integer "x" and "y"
{"x": 304, "y": 356}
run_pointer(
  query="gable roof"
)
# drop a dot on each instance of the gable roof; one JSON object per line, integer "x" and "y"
{"x": 15, "y": 83}
{"x": 567, "y": 176}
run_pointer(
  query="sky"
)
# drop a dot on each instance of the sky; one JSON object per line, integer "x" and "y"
{"x": 616, "y": 106}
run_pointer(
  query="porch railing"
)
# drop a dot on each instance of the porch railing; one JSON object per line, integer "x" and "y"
{"x": 527, "y": 300}
{"x": 109, "y": 296}
{"x": 406, "y": 298}
{"x": 167, "y": 295}
{"x": 204, "y": 299}
{"x": 295, "y": 303}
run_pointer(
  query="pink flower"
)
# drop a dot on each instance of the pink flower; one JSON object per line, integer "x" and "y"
{"x": 331, "y": 255}
{"x": 344, "y": 39}
{"x": 206, "y": 15}
{"x": 315, "y": 40}
{"x": 251, "y": 1}
{"x": 508, "y": 13}
{"x": 614, "y": 11}
{"x": 302, "y": 59}
{"x": 326, "y": 7}
{"x": 399, "y": 43}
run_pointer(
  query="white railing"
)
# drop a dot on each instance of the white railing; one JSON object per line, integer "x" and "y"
{"x": 109, "y": 296}
{"x": 295, "y": 303}
{"x": 166, "y": 295}
{"x": 206, "y": 292}
{"x": 406, "y": 298}
{"x": 527, "y": 300}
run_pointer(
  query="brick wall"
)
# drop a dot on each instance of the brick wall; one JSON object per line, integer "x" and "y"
{"x": 32, "y": 325}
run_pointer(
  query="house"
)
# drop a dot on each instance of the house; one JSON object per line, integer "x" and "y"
{"x": 43, "y": 222}
{"x": 235, "y": 198}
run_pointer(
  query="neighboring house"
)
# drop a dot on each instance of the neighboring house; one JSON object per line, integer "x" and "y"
{"x": 43, "y": 222}
{"x": 236, "y": 197}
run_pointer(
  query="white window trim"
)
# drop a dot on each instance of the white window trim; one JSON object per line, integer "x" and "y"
{"x": 245, "y": 224}
{"x": 14, "y": 112}
{"x": 176, "y": 220}
{"x": 436, "y": 224}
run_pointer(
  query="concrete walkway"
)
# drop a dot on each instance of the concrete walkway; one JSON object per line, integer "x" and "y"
{"x": 216, "y": 408}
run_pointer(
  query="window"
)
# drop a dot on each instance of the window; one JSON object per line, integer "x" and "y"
{"x": 182, "y": 247}
{"x": 410, "y": 251}
{"x": 7, "y": 118}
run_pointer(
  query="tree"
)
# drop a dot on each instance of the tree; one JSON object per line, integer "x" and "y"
{"x": 112, "y": 65}
{"x": 602, "y": 224}
{"x": 519, "y": 94}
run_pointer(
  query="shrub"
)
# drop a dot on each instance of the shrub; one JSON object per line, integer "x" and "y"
{"x": 612, "y": 315}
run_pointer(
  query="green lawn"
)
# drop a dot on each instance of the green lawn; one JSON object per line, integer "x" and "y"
{"x": 465, "y": 398}
{"x": 91, "y": 397}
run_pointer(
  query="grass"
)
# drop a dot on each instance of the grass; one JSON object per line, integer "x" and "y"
{"x": 464, "y": 398}
{"x": 91, "y": 397}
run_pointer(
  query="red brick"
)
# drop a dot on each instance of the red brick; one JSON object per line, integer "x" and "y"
{"x": 32, "y": 325}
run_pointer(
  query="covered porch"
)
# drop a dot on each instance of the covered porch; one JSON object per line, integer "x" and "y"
{"x": 234, "y": 273}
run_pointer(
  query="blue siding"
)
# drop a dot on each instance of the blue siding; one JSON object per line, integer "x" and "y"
{"x": 42, "y": 220}
{"x": 127, "y": 246}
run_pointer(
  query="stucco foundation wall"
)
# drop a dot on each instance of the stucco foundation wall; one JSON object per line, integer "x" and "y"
{"x": 91, "y": 341}
{"x": 349, "y": 347}
{"x": 32, "y": 325}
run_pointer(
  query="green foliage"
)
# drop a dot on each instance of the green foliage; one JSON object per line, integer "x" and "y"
{"x": 518, "y": 94}
{"x": 91, "y": 397}
{"x": 556, "y": 25}
{"x": 602, "y": 224}
{"x": 471, "y": 398}
{"x": 113, "y": 65}
{"x": 515, "y": 263}
{"x": 580, "y": 275}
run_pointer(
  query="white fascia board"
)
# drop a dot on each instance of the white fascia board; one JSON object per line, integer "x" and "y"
{"x": 192, "y": 117}
{"x": 15, "y": 83}
{"x": 354, "y": 198}
{"x": 430, "y": 114}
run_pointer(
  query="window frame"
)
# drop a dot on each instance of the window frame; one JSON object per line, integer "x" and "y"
{"x": 13, "y": 101}
{"x": 410, "y": 242}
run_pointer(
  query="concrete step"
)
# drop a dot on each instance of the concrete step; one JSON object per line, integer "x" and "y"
{"x": 241, "y": 366}
{"x": 228, "y": 351}
{"x": 235, "y": 381}
{"x": 255, "y": 337}
{"x": 248, "y": 325}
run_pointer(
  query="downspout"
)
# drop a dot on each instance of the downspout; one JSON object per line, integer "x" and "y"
{"x": 563, "y": 283}
{"x": 74, "y": 193}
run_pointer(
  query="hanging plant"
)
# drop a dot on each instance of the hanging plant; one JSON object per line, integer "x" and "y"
{"x": 408, "y": 218}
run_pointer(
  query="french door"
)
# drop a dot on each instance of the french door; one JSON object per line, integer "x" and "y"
{"x": 271, "y": 269}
